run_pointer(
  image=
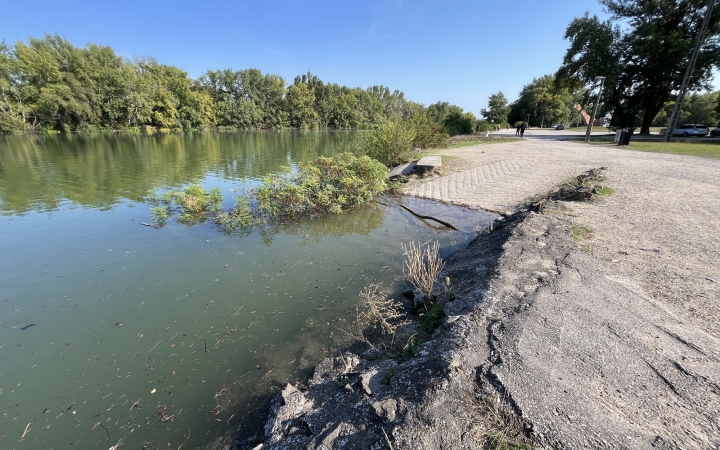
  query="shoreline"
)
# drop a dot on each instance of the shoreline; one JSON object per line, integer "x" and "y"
{"x": 596, "y": 329}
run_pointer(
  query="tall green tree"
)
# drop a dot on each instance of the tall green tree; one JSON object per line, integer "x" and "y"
{"x": 543, "y": 101}
{"x": 697, "y": 108}
{"x": 300, "y": 105}
{"x": 497, "y": 110}
{"x": 459, "y": 123}
{"x": 437, "y": 112}
{"x": 644, "y": 61}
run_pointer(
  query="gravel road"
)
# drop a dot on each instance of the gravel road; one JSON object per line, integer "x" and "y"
{"x": 662, "y": 225}
{"x": 612, "y": 341}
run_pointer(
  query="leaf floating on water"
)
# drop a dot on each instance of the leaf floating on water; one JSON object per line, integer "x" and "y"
{"x": 153, "y": 391}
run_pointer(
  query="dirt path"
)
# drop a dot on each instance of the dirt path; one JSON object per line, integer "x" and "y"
{"x": 614, "y": 342}
{"x": 662, "y": 226}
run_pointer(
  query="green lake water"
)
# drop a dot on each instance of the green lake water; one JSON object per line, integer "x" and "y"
{"x": 168, "y": 336}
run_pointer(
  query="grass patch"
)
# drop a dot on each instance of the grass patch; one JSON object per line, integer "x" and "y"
{"x": 431, "y": 318}
{"x": 580, "y": 232}
{"x": 501, "y": 442}
{"x": 408, "y": 351}
{"x": 583, "y": 129}
{"x": 494, "y": 427}
{"x": 603, "y": 192}
{"x": 483, "y": 140}
{"x": 560, "y": 212}
{"x": 708, "y": 149}
{"x": 407, "y": 354}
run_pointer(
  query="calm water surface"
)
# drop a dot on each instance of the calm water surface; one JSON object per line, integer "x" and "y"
{"x": 112, "y": 330}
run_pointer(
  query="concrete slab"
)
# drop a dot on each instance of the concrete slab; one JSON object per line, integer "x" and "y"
{"x": 430, "y": 162}
{"x": 403, "y": 169}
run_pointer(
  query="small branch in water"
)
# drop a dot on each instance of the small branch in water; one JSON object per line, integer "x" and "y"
{"x": 420, "y": 216}
{"x": 156, "y": 345}
{"x": 106, "y": 430}
{"x": 136, "y": 405}
{"x": 188, "y": 437}
{"x": 119, "y": 443}
{"x": 27, "y": 427}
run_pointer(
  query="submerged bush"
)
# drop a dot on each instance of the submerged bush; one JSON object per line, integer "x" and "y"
{"x": 193, "y": 204}
{"x": 325, "y": 186}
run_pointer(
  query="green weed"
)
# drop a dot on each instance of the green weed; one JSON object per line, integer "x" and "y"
{"x": 501, "y": 442}
{"x": 431, "y": 318}
{"x": 580, "y": 232}
{"x": 604, "y": 191}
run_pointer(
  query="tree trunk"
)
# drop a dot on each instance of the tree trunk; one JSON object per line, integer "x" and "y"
{"x": 648, "y": 117}
{"x": 647, "y": 120}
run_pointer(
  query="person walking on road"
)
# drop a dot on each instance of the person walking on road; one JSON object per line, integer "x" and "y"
{"x": 522, "y": 128}
{"x": 517, "y": 131}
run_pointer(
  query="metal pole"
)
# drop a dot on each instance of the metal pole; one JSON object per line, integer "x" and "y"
{"x": 688, "y": 72}
{"x": 594, "y": 111}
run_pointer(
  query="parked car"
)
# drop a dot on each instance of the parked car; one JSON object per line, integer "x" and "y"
{"x": 691, "y": 129}
{"x": 560, "y": 127}
{"x": 715, "y": 132}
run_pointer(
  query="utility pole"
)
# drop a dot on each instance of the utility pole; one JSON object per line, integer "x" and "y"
{"x": 595, "y": 107}
{"x": 689, "y": 71}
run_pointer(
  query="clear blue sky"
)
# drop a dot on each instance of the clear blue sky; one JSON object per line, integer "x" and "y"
{"x": 432, "y": 50}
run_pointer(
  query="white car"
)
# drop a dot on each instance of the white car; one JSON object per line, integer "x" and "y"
{"x": 691, "y": 129}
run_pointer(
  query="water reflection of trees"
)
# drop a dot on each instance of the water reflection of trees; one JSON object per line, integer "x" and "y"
{"x": 38, "y": 172}
{"x": 361, "y": 220}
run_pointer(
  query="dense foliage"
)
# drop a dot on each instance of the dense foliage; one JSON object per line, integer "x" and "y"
{"x": 545, "y": 103}
{"x": 396, "y": 142}
{"x": 47, "y": 84}
{"x": 329, "y": 185}
{"x": 391, "y": 143}
{"x": 643, "y": 52}
{"x": 697, "y": 108}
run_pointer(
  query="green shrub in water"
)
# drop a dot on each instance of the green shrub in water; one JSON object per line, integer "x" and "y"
{"x": 326, "y": 186}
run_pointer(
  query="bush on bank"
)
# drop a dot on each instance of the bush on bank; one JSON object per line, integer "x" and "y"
{"x": 395, "y": 142}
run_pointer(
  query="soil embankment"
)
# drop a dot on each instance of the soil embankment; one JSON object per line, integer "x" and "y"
{"x": 593, "y": 325}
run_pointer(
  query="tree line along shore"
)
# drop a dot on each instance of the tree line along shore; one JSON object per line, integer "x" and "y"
{"x": 49, "y": 85}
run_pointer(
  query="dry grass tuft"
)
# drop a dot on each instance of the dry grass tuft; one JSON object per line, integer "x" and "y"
{"x": 377, "y": 315}
{"x": 381, "y": 311}
{"x": 493, "y": 427}
{"x": 422, "y": 266}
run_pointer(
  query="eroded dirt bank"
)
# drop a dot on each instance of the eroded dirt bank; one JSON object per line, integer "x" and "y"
{"x": 609, "y": 340}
